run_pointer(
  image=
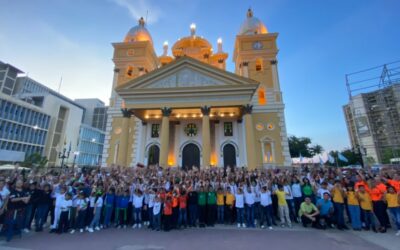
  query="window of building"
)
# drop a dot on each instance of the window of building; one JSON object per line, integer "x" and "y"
{"x": 129, "y": 71}
{"x": 155, "y": 130}
{"x": 262, "y": 100}
{"x": 228, "y": 129}
{"x": 259, "y": 66}
{"x": 268, "y": 150}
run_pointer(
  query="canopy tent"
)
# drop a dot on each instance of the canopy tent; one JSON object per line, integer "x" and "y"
{"x": 12, "y": 167}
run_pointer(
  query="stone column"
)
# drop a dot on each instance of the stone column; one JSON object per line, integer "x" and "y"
{"x": 206, "y": 137}
{"x": 123, "y": 142}
{"x": 250, "y": 142}
{"x": 164, "y": 140}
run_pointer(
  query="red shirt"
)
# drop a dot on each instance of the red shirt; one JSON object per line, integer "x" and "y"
{"x": 395, "y": 184}
{"x": 183, "y": 201}
{"x": 376, "y": 194}
{"x": 167, "y": 208}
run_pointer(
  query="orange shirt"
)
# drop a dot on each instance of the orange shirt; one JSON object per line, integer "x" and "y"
{"x": 395, "y": 184}
{"x": 182, "y": 201}
{"x": 167, "y": 208}
{"x": 175, "y": 201}
{"x": 376, "y": 194}
{"x": 382, "y": 187}
{"x": 361, "y": 183}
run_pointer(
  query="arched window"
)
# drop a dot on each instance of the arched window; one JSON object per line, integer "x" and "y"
{"x": 129, "y": 71}
{"x": 268, "y": 150}
{"x": 259, "y": 64}
{"x": 262, "y": 97}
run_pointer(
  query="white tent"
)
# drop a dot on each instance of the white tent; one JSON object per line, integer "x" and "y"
{"x": 11, "y": 167}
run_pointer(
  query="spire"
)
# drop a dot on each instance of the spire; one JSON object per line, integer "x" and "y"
{"x": 249, "y": 13}
{"x": 141, "y": 22}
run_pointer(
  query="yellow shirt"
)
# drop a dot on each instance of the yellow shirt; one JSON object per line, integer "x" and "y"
{"x": 352, "y": 199}
{"x": 281, "y": 197}
{"x": 220, "y": 199}
{"x": 230, "y": 198}
{"x": 337, "y": 196}
{"x": 365, "y": 201}
{"x": 392, "y": 200}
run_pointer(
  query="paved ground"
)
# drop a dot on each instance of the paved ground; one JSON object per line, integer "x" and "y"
{"x": 209, "y": 239}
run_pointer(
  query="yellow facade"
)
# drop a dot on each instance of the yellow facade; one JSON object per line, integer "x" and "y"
{"x": 214, "y": 118}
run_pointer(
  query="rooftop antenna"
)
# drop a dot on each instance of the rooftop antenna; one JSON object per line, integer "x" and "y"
{"x": 59, "y": 85}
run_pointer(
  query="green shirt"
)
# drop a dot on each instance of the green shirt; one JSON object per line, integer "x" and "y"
{"x": 202, "y": 198}
{"x": 307, "y": 208}
{"x": 211, "y": 198}
{"x": 307, "y": 190}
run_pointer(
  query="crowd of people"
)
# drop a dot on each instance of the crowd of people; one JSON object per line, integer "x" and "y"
{"x": 78, "y": 200}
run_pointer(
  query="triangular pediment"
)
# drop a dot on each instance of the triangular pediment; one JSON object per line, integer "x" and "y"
{"x": 185, "y": 72}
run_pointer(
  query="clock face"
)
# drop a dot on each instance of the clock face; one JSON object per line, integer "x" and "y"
{"x": 257, "y": 45}
{"x": 191, "y": 130}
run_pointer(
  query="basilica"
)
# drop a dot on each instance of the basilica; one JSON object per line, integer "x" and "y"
{"x": 184, "y": 109}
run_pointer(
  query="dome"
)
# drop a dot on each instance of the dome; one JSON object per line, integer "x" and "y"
{"x": 138, "y": 33}
{"x": 252, "y": 25}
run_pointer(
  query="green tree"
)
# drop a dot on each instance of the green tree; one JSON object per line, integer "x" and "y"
{"x": 35, "y": 160}
{"x": 316, "y": 149}
{"x": 299, "y": 145}
{"x": 389, "y": 153}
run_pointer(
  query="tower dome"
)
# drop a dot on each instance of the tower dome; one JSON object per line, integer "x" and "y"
{"x": 252, "y": 25}
{"x": 138, "y": 33}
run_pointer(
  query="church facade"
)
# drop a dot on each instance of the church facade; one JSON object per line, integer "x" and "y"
{"x": 186, "y": 109}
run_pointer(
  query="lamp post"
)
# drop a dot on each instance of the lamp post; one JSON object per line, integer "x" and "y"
{"x": 64, "y": 154}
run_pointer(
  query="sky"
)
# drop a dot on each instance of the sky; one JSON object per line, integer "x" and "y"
{"x": 319, "y": 42}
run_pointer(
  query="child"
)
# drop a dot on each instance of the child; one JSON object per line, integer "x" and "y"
{"x": 366, "y": 208}
{"x": 211, "y": 206}
{"x": 157, "y": 214}
{"x": 229, "y": 206}
{"x": 90, "y": 211}
{"x": 137, "y": 208}
{"x": 249, "y": 198}
{"x": 239, "y": 203}
{"x": 220, "y": 206}
{"x": 109, "y": 206}
{"x": 81, "y": 208}
{"x": 121, "y": 212}
{"x": 57, "y": 209}
{"x": 354, "y": 207}
{"x": 266, "y": 207}
{"x": 167, "y": 213}
{"x": 182, "y": 220}
{"x": 65, "y": 207}
{"x": 283, "y": 207}
{"x": 98, "y": 204}
{"x": 393, "y": 203}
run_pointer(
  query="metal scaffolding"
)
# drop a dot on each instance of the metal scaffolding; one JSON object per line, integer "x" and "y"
{"x": 372, "y": 115}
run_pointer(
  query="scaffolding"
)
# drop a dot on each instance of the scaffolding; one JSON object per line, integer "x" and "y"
{"x": 372, "y": 115}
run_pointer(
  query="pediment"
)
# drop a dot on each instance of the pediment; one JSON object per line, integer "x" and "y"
{"x": 185, "y": 73}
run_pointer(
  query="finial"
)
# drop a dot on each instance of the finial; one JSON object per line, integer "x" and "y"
{"x": 165, "y": 47}
{"x": 249, "y": 13}
{"x": 141, "y": 22}
{"x": 193, "y": 29}
{"x": 219, "y": 42}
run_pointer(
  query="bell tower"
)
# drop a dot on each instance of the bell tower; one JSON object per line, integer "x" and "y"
{"x": 255, "y": 57}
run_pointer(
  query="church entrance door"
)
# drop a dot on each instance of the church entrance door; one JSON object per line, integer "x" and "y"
{"x": 154, "y": 155}
{"x": 229, "y": 156}
{"x": 190, "y": 156}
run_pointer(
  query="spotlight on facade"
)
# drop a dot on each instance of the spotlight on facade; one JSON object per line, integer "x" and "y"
{"x": 231, "y": 114}
{"x": 178, "y": 115}
{"x": 157, "y": 116}
{"x": 194, "y": 115}
{"x": 185, "y": 116}
{"x": 222, "y": 115}
{"x": 146, "y": 116}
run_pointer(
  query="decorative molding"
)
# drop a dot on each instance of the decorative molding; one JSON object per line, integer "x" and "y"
{"x": 245, "y": 64}
{"x": 274, "y": 62}
{"x": 247, "y": 109}
{"x": 205, "y": 110}
{"x": 116, "y": 70}
{"x": 126, "y": 113}
{"x": 166, "y": 112}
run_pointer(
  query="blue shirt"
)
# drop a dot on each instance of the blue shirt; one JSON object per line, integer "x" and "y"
{"x": 324, "y": 206}
{"x": 122, "y": 201}
{"x": 110, "y": 199}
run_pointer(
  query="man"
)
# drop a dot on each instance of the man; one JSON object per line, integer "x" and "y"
{"x": 326, "y": 210}
{"x": 308, "y": 213}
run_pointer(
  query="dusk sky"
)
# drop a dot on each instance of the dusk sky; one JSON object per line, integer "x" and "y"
{"x": 319, "y": 42}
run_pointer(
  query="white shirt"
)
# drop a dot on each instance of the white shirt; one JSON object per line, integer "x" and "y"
{"x": 82, "y": 203}
{"x": 99, "y": 202}
{"x": 249, "y": 197}
{"x": 239, "y": 200}
{"x": 156, "y": 207}
{"x": 321, "y": 192}
{"x": 151, "y": 200}
{"x": 296, "y": 190}
{"x": 288, "y": 192}
{"x": 91, "y": 200}
{"x": 266, "y": 198}
{"x": 137, "y": 201}
{"x": 59, "y": 199}
{"x": 65, "y": 205}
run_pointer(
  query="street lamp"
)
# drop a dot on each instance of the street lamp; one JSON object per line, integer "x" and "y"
{"x": 64, "y": 154}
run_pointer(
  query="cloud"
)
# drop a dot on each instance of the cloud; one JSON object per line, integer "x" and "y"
{"x": 139, "y": 8}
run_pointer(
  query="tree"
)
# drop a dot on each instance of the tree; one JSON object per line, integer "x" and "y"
{"x": 389, "y": 153}
{"x": 299, "y": 145}
{"x": 35, "y": 160}
{"x": 316, "y": 149}
{"x": 352, "y": 157}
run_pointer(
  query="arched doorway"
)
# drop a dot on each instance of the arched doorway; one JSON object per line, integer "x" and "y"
{"x": 154, "y": 155}
{"x": 190, "y": 156}
{"x": 229, "y": 155}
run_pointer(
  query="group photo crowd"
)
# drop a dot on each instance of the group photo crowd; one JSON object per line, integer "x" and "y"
{"x": 79, "y": 200}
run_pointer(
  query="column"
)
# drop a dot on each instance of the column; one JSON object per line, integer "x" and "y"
{"x": 206, "y": 137}
{"x": 123, "y": 142}
{"x": 250, "y": 142}
{"x": 164, "y": 140}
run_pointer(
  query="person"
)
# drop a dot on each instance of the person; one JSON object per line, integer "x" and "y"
{"x": 121, "y": 211}
{"x": 379, "y": 207}
{"x": 202, "y": 202}
{"x": 157, "y": 213}
{"x": 229, "y": 206}
{"x": 354, "y": 207}
{"x": 65, "y": 208}
{"x": 220, "y": 205}
{"x": 289, "y": 200}
{"x": 326, "y": 211}
{"x": 211, "y": 206}
{"x": 30, "y": 209}
{"x": 175, "y": 207}
{"x": 323, "y": 189}
{"x": 283, "y": 206}
{"x": 366, "y": 208}
{"x": 192, "y": 202}
{"x": 109, "y": 206}
{"x": 98, "y": 205}
{"x": 266, "y": 208}
{"x": 297, "y": 194}
{"x": 4, "y": 194}
{"x": 338, "y": 196}
{"x": 151, "y": 195}
{"x": 309, "y": 213}
{"x": 81, "y": 208}
{"x": 167, "y": 211}
{"x": 249, "y": 199}
{"x": 182, "y": 220}
{"x": 393, "y": 202}
{"x": 137, "y": 208}
{"x": 239, "y": 204}
{"x": 59, "y": 195}
{"x": 43, "y": 203}
{"x": 307, "y": 189}
{"x": 15, "y": 214}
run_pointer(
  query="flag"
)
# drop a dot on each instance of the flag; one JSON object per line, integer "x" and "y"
{"x": 320, "y": 160}
{"x": 342, "y": 158}
{"x": 331, "y": 159}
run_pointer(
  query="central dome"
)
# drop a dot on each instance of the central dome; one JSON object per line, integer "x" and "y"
{"x": 252, "y": 25}
{"x": 138, "y": 33}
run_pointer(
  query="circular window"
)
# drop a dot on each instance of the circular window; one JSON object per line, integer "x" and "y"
{"x": 260, "y": 126}
{"x": 117, "y": 130}
{"x": 130, "y": 52}
{"x": 270, "y": 126}
{"x": 191, "y": 129}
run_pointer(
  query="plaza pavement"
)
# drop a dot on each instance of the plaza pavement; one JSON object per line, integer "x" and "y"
{"x": 220, "y": 237}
